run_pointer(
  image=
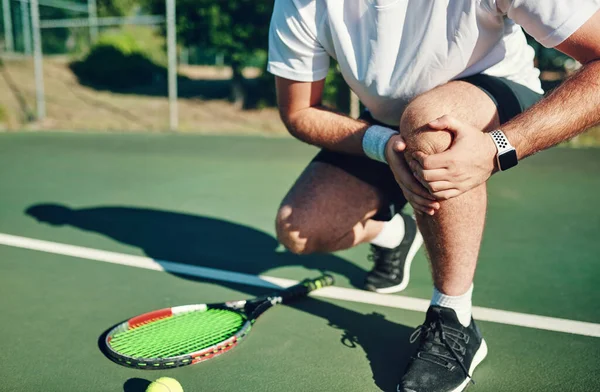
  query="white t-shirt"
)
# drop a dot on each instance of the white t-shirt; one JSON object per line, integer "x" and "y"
{"x": 389, "y": 51}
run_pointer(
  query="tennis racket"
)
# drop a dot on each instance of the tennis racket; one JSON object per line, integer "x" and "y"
{"x": 185, "y": 335}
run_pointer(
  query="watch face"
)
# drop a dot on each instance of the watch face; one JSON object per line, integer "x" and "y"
{"x": 508, "y": 160}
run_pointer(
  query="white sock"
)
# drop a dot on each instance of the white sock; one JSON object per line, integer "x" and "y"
{"x": 392, "y": 233}
{"x": 461, "y": 304}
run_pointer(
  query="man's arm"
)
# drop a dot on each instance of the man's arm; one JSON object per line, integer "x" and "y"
{"x": 301, "y": 109}
{"x": 568, "y": 111}
{"x": 573, "y": 107}
{"x": 307, "y": 119}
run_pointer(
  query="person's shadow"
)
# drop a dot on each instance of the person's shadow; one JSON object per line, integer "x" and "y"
{"x": 208, "y": 242}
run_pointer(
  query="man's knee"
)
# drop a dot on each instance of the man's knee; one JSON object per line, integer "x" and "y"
{"x": 298, "y": 232}
{"x": 459, "y": 99}
{"x": 416, "y": 131}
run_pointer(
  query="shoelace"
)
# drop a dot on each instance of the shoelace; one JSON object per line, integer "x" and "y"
{"x": 383, "y": 258}
{"x": 447, "y": 338}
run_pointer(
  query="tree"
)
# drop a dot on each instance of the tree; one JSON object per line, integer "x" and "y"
{"x": 237, "y": 28}
{"x": 115, "y": 7}
{"x": 55, "y": 40}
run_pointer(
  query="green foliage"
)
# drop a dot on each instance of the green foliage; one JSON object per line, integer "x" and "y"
{"x": 2, "y": 40}
{"x": 336, "y": 92}
{"x": 115, "y": 7}
{"x": 548, "y": 59}
{"x": 264, "y": 92}
{"x": 123, "y": 59}
{"x": 237, "y": 28}
{"x": 56, "y": 41}
{"x": 137, "y": 39}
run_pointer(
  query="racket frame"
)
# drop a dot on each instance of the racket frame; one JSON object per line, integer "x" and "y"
{"x": 249, "y": 310}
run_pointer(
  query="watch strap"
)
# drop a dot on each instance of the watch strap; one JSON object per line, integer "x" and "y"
{"x": 506, "y": 156}
{"x": 502, "y": 143}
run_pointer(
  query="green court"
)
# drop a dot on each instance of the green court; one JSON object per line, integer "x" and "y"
{"x": 204, "y": 201}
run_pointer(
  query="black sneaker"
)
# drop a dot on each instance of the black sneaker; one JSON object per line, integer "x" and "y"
{"x": 447, "y": 354}
{"x": 392, "y": 266}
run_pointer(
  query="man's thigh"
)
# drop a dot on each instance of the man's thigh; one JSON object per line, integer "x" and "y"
{"x": 328, "y": 201}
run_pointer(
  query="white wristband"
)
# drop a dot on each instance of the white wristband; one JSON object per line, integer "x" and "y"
{"x": 375, "y": 140}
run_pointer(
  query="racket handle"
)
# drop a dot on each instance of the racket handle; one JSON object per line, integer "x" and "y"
{"x": 306, "y": 286}
{"x": 257, "y": 307}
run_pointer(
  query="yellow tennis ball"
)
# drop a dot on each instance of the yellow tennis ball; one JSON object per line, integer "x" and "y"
{"x": 165, "y": 384}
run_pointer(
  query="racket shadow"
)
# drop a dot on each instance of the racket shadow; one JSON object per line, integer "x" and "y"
{"x": 219, "y": 244}
{"x": 385, "y": 343}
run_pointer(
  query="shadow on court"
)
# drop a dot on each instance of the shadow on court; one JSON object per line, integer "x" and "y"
{"x": 214, "y": 243}
{"x": 190, "y": 239}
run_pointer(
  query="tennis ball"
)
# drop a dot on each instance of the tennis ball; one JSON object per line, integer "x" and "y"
{"x": 165, "y": 384}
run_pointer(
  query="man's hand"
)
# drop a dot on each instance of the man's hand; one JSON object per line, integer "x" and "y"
{"x": 469, "y": 161}
{"x": 417, "y": 196}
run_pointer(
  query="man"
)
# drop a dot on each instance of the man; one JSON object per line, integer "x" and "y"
{"x": 450, "y": 89}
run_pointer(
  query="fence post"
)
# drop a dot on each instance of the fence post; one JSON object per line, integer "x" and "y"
{"x": 8, "y": 33}
{"x": 93, "y": 17}
{"x": 26, "y": 26}
{"x": 172, "y": 55}
{"x": 37, "y": 61}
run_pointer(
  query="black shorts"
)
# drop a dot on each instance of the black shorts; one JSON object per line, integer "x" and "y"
{"x": 510, "y": 98}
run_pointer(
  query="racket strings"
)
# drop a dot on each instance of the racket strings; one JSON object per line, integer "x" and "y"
{"x": 178, "y": 335}
{"x": 189, "y": 334}
{"x": 184, "y": 338}
{"x": 190, "y": 345}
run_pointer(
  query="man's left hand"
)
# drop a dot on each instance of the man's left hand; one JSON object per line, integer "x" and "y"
{"x": 469, "y": 161}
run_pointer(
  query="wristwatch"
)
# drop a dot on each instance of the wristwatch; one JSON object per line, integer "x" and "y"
{"x": 507, "y": 155}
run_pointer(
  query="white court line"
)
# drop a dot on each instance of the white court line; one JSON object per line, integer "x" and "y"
{"x": 391, "y": 301}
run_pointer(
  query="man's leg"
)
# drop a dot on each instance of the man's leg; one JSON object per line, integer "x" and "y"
{"x": 333, "y": 206}
{"x": 453, "y": 235}
{"x": 452, "y": 238}
{"x": 327, "y": 210}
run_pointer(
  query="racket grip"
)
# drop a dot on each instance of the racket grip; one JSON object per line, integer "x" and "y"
{"x": 306, "y": 286}
{"x": 321, "y": 281}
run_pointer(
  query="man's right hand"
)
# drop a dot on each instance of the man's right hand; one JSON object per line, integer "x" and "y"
{"x": 418, "y": 197}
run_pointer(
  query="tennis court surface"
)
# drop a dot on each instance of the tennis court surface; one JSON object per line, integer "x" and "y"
{"x": 96, "y": 228}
